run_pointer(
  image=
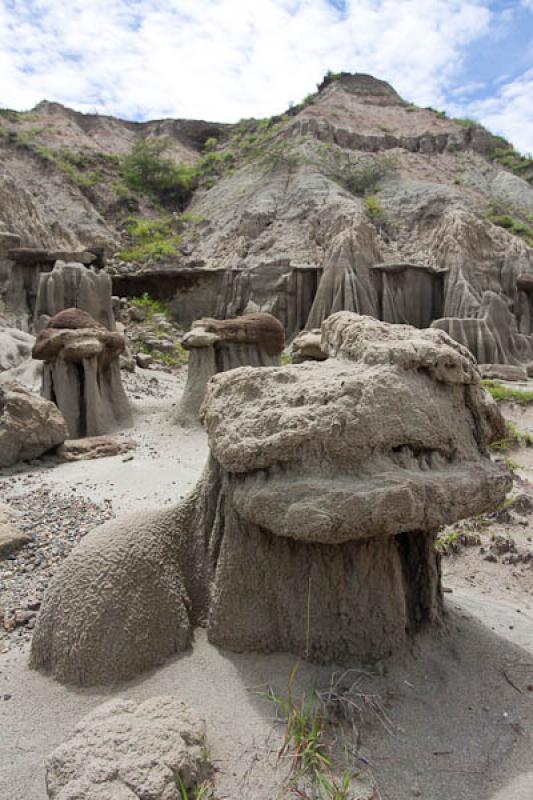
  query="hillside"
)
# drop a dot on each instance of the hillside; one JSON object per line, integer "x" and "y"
{"x": 295, "y": 214}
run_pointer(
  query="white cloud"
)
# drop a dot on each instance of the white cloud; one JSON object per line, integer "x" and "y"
{"x": 224, "y": 59}
{"x": 227, "y": 59}
{"x": 509, "y": 112}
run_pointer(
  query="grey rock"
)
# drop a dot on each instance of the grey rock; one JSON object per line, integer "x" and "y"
{"x": 15, "y": 347}
{"x": 82, "y": 373}
{"x": 144, "y": 360}
{"x": 124, "y": 750}
{"x": 325, "y": 487}
{"x": 29, "y": 425}
{"x": 72, "y": 285}
{"x": 216, "y": 346}
{"x": 11, "y": 539}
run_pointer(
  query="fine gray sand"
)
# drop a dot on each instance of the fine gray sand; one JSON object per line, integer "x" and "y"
{"x": 459, "y": 707}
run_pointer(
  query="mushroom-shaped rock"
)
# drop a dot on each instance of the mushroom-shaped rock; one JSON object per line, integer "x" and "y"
{"x": 312, "y": 529}
{"x": 219, "y": 345}
{"x": 29, "y": 425}
{"x": 82, "y": 373}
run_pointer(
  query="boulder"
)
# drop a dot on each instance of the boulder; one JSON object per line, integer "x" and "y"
{"x": 124, "y": 750}
{"x": 29, "y": 425}
{"x": 29, "y": 374}
{"x": 219, "y": 345}
{"x": 15, "y": 347}
{"x": 307, "y": 346}
{"x": 82, "y": 373}
{"x": 503, "y": 372}
{"x": 11, "y": 539}
{"x": 312, "y": 528}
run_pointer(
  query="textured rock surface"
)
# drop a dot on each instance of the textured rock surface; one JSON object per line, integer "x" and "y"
{"x": 29, "y": 425}
{"x": 124, "y": 751}
{"x": 312, "y": 527}
{"x": 75, "y": 286}
{"x": 95, "y": 447}
{"x": 254, "y": 340}
{"x": 15, "y": 347}
{"x": 307, "y": 347}
{"x": 82, "y": 373}
{"x": 11, "y": 539}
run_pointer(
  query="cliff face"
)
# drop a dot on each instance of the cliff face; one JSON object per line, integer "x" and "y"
{"x": 354, "y": 200}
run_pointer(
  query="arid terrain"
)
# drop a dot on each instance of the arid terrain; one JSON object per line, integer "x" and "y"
{"x": 452, "y": 719}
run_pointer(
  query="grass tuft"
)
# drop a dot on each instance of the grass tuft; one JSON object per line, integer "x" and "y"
{"x": 503, "y": 393}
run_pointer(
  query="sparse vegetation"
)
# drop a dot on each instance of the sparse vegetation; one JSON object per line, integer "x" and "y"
{"x": 151, "y": 239}
{"x": 465, "y": 122}
{"x": 511, "y": 159}
{"x": 451, "y": 541}
{"x": 514, "y": 438}
{"x": 503, "y": 393}
{"x": 313, "y": 723}
{"x": 374, "y": 209}
{"x": 503, "y": 217}
{"x": 360, "y": 177}
{"x": 149, "y": 171}
{"x": 439, "y": 114}
{"x": 151, "y": 305}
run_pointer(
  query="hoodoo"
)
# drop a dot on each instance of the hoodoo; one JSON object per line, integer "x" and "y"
{"x": 312, "y": 528}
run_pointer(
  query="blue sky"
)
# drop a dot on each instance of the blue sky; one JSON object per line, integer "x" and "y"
{"x": 228, "y": 59}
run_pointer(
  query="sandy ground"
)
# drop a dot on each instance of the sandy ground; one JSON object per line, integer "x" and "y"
{"x": 459, "y": 706}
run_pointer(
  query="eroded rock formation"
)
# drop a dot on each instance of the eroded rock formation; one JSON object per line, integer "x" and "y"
{"x": 82, "y": 373}
{"x": 73, "y": 285}
{"x": 156, "y": 749}
{"x": 29, "y": 425}
{"x": 254, "y": 340}
{"x": 312, "y": 527}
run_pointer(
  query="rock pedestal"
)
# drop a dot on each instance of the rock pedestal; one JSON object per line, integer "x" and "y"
{"x": 312, "y": 529}
{"x": 82, "y": 373}
{"x": 215, "y": 346}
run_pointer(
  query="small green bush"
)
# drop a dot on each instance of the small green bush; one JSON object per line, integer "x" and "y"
{"x": 514, "y": 161}
{"x": 503, "y": 218}
{"x": 151, "y": 239}
{"x": 148, "y": 171}
{"x": 374, "y": 209}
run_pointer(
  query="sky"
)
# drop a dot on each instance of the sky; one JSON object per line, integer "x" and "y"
{"x": 225, "y": 60}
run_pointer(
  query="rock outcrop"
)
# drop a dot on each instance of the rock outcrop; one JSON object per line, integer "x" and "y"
{"x": 155, "y": 749}
{"x": 82, "y": 373}
{"x": 254, "y": 340}
{"x": 313, "y": 525}
{"x": 73, "y": 285}
{"x": 29, "y": 425}
{"x": 15, "y": 347}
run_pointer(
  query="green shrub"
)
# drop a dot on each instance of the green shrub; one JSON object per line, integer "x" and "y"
{"x": 502, "y": 217}
{"x": 374, "y": 209}
{"x": 505, "y": 393}
{"x": 148, "y": 171}
{"x": 151, "y": 239}
{"x": 210, "y": 143}
{"x": 514, "y": 161}
{"x": 361, "y": 177}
